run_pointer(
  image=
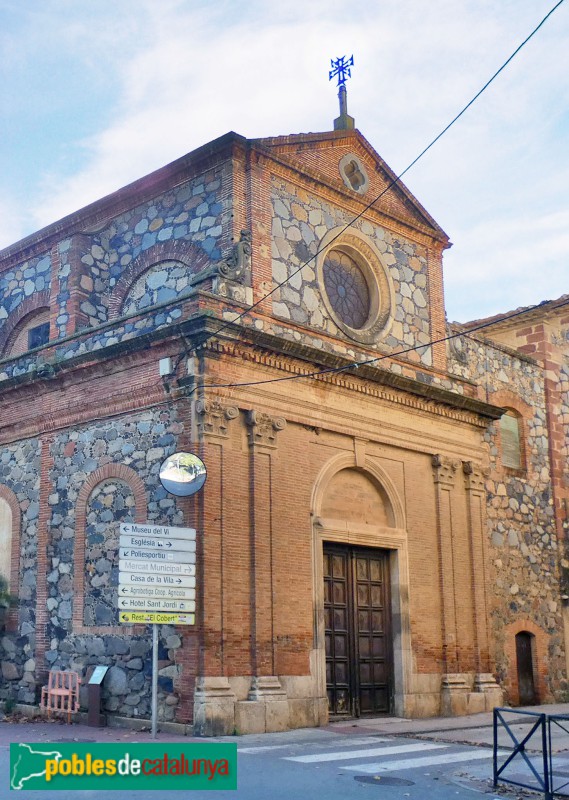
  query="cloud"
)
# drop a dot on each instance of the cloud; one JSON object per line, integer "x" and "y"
{"x": 141, "y": 83}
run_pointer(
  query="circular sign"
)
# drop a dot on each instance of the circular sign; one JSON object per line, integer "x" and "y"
{"x": 183, "y": 474}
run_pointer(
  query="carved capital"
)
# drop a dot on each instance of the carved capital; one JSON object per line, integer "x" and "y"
{"x": 263, "y": 428}
{"x": 444, "y": 469}
{"x": 213, "y": 416}
{"x": 474, "y": 476}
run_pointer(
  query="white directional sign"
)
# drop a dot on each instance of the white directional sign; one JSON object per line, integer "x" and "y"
{"x": 140, "y": 579}
{"x": 157, "y": 591}
{"x": 159, "y": 604}
{"x": 166, "y": 545}
{"x": 157, "y": 555}
{"x": 156, "y": 568}
{"x": 133, "y": 529}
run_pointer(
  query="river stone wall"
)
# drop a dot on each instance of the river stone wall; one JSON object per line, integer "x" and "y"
{"x": 300, "y": 222}
{"x": 20, "y": 472}
{"x": 522, "y": 541}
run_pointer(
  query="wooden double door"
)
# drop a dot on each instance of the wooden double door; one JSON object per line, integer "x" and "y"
{"x": 359, "y": 663}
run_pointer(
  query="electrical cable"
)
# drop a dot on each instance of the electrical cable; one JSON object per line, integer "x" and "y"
{"x": 393, "y": 183}
{"x": 356, "y": 364}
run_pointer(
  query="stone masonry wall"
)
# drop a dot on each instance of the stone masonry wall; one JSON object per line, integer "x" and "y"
{"x": 19, "y": 472}
{"x": 139, "y": 442}
{"x": 300, "y": 221}
{"x": 22, "y": 282}
{"x": 522, "y": 542}
{"x": 191, "y": 212}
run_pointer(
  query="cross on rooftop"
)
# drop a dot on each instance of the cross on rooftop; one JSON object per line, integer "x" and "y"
{"x": 341, "y": 68}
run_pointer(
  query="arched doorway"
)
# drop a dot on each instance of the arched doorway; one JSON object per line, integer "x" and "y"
{"x": 361, "y": 565}
{"x": 524, "y": 661}
{"x": 357, "y": 611}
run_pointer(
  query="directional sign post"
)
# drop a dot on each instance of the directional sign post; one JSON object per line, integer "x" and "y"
{"x": 157, "y": 583}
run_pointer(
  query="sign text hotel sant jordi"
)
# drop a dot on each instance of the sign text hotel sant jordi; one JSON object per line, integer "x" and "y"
{"x": 157, "y": 569}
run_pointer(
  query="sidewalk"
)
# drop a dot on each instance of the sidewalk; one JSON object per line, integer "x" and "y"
{"x": 473, "y": 729}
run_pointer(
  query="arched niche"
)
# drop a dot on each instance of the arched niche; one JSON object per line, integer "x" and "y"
{"x": 358, "y": 498}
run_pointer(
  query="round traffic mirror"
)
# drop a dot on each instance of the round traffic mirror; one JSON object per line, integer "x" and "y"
{"x": 183, "y": 474}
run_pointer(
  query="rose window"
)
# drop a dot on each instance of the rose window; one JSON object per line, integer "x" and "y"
{"x": 347, "y": 289}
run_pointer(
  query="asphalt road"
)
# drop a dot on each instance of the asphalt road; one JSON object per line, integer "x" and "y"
{"x": 317, "y": 763}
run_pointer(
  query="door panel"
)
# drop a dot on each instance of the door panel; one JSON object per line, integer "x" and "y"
{"x": 524, "y": 657}
{"x": 358, "y": 637}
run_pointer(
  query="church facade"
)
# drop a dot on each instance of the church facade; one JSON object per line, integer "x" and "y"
{"x": 382, "y": 526}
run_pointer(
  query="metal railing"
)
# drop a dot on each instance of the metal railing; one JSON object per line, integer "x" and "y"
{"x": 538, "y": 729}
{"x": 541, "y": 764}
{"x": 561, "y": 722}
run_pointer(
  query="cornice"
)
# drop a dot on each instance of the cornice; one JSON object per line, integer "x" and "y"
{"x": 284, "y": 356}
{"x": 269, "y": 351}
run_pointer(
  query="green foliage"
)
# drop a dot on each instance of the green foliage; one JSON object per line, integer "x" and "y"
{"x": 7, "y": 600}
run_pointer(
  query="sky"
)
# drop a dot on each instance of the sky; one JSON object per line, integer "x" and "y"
{"x": 96, "y": 94}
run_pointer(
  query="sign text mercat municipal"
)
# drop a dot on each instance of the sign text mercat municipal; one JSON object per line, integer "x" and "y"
{"x": 156, "y": 568}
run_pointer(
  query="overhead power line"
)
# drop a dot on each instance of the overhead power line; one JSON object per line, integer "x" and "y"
{"x": 355, "y": 364}
{"x": 394, "y": 182}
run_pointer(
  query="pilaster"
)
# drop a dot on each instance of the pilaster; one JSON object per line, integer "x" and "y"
{"x": 211, "y": 418}
{"x": 262, "y": 439}
{"x": 444, "y": 475}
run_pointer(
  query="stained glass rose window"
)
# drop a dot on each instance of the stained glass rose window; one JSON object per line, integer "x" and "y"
{"x": 347, "y": 289}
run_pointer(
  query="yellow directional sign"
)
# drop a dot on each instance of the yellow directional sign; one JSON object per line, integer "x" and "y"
{"x": 157, "y": 618}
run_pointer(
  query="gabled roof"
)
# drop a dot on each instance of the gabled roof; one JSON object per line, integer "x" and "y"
{"x": 318, "y": 154}
{"x": 521, "y": 315}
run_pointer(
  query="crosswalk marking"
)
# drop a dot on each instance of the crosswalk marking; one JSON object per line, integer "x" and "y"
{"x": 414, "y": 763}
{"x": 263, "y": 749}
{"x": 343, "y": 742}
{"x": 368, "y": 753}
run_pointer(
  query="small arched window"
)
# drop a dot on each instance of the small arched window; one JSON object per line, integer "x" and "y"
{"x": 32, "y": 331}
{"x": 511, "y": 439}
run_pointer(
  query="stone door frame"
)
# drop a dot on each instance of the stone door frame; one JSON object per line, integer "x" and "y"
{"x": 393, "y": 539}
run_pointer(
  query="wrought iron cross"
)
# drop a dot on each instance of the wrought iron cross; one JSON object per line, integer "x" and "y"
{"x": 341, "y": 68}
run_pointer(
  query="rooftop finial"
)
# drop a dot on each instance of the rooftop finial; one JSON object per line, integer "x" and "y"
{"x": 341, "y": 70}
